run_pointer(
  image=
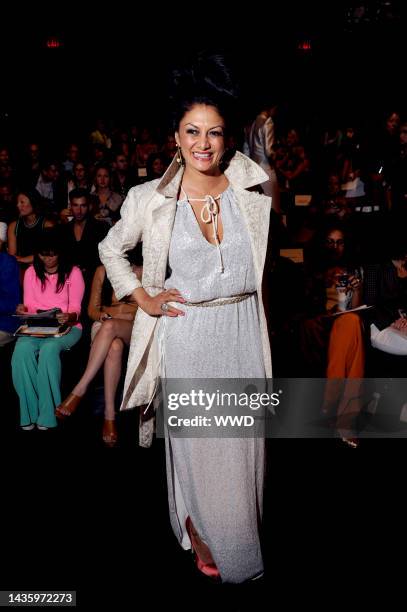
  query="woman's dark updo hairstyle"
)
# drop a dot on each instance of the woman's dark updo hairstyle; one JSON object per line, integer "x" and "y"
{"x": 50, "y": 243}
{"x": 205, "y": 80}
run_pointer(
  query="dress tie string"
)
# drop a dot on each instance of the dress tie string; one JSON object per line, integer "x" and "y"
{"x": 209, "y": 214}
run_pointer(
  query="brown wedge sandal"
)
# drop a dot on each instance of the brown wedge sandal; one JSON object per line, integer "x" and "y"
{"x": 109, "y": 433}
{"x": 68, "y": 406}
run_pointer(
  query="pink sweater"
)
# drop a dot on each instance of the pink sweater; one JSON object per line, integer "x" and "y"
{"x": 68, "y": 300}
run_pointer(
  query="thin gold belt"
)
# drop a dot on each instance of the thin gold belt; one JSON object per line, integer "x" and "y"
{"x": 220, "y": 301}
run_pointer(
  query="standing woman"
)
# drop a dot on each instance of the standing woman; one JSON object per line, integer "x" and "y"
{"x": 201, "y": 222}
{"x": 51, "y": 282}
{"x": 261, "y": 140}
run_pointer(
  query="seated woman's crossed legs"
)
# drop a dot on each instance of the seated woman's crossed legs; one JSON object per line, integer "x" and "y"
{"x": 107, "y": 348}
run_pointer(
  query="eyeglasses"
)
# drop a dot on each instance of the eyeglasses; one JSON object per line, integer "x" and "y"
{"x": 330, "y": 242}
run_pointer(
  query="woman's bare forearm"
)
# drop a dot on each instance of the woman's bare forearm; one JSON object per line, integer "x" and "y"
{"x": 138, "y": 296}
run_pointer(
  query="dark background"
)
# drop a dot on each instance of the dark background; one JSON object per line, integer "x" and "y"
{"x": 114, "y": 60}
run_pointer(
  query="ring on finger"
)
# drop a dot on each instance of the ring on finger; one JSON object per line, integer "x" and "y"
{"x": 164, "y": 307}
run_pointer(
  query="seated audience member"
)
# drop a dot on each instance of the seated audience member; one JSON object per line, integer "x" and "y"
{"x": 80, "y": 178}
{"x": 29, "y": 166}
{"x": 100, "y": 135}
{"x": 82, "y": 234}
{"x": 51, "y": 282}
{"x": 107, "y": 202}
{"x": 111, "y": 331}
{"x": 4, "y": 156}
{"x": 7, "y": 172}
{"x": 123, "y": 148}
{"x": 51, "y": 188}
{"x": 9, "y": 292}
{"x": 24, "y": 234}
{"x": 170, "y": 148}
{"x": 72, "y": 157}
{"x": 328, "y": 204}
{"x": 333, "y": 202}
{"x": 7, "y": 208}
{"x": 351, "y": 161}
{"x": 330, "y": 150}
{"x": 334, "y": 345}
{"x": 385, "y": 288}
{"x": 144, "y": 148}
{"x": 99, "y": 156}
{"x": 156, "y": 166}
{"x": 293, "y": 165}
{"x": 123, "y": 177}
{"x": 121, "y": 143}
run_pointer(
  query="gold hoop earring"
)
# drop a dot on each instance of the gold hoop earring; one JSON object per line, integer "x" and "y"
{"x": 180, "y": 159}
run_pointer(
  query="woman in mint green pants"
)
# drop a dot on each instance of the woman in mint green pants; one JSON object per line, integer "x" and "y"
{"x": 36, "y": 366}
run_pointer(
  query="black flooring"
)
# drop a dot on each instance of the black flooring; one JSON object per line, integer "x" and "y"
{"x": 77, "y": 516}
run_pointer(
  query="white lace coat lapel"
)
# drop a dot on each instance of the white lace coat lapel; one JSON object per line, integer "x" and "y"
{"x": 255, "y": 209}
{"x": 163, "y": 220}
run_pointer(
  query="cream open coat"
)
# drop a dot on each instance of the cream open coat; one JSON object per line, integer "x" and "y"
{"x": 148, "y": 214}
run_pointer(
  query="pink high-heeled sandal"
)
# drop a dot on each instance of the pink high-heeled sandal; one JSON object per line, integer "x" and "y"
{"x": 352, "y": 442}
{"x": 209, "y": 569}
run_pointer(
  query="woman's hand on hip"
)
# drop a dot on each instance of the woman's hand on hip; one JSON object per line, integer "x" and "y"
{"x": 153, "y": 305}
